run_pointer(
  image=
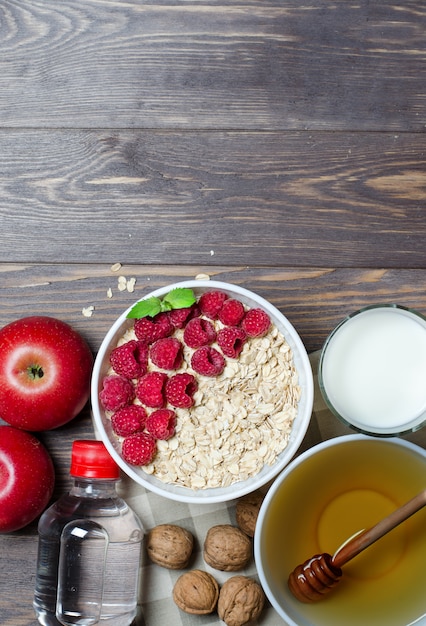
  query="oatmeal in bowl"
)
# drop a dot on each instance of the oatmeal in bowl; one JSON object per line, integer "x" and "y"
{"x": 202, "y": 391}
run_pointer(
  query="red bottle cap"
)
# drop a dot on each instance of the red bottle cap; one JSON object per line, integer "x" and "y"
{"x": 91, "y": 459}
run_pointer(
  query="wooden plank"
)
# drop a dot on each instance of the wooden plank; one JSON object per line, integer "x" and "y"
{"x": 229, "y": 198}
{"x": 313, "y": 299}
{"x": 256, "y": 65}
{"x": 16, "y": 582}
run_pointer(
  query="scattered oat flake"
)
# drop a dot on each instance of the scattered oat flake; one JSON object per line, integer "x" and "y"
{"x": 88, "y": 311}
{"x": 130, "y": 285}
{"x": 115, "y": 267}
{"x": 109, "y": 293}
{"x": 122, "y": 283}
{"x": 202, "y": 277}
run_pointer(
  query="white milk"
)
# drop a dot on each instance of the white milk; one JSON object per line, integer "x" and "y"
{"x": 374, "y": 370}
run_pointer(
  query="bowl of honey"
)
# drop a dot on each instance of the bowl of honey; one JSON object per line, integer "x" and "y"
{"x": 325, "y": 496}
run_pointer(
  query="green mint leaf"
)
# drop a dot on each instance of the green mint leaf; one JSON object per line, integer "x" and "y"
{"x": 165, "y": 306}
{"x": 179, "y": 298}
{"x": 145, "y": 308}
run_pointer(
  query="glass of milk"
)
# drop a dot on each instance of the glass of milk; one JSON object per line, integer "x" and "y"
{"x": 372, "y": 370}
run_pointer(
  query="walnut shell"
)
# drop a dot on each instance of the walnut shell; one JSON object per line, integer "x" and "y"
{"x": 227, "y": 548}
{"x": 247, "y": 510}
{"x": 196, "y": 592}
{"x": 241, "y": 600}
{"x": 170, "y": 546}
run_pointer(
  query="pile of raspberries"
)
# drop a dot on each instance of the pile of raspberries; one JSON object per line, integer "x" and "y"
{"x": 159, "y": 390}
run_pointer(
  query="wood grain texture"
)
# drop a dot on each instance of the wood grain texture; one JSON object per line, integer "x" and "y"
{"x": 229, "y": 198}
{"x": 273, "y": 144}
{"x": 313, "y": 299}
{"x": 254, "y": 65}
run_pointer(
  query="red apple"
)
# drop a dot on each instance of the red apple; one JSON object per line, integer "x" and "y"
{"x": 27, "y": 478}
{"x": 45, "y": 369}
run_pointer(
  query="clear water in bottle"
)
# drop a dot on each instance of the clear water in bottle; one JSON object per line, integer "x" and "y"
{"x": 89, "y": 558}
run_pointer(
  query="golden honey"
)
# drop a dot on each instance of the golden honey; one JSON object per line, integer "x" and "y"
{"x": 324, "y": 501}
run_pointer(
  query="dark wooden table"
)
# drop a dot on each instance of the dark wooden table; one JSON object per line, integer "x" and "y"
{"x": 274, "y": 144}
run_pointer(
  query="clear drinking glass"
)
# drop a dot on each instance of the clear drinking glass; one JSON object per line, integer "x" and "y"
{"x": 372, "y": 370}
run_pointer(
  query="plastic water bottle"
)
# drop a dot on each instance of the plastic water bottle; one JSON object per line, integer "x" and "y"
{"x": 89, "y": 550}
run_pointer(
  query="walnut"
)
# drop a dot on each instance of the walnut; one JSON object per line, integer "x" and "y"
{"x": 170, "y": 546}
{"x": 247, "y": 510}
{"x": 196, "y": 592}
{"x": 227, "y": 548}
{"x": 241, "y": 600}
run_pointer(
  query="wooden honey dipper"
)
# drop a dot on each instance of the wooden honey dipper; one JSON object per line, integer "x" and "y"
{"x": 310, "y": 581}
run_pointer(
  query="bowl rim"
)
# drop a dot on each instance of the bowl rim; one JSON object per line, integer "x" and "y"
{"x": 238, "y": 489}
{"x": 323, "y": 445}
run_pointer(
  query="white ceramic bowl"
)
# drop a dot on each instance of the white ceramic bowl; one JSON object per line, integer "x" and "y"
{"x": 209, "y": 495}
{"x": 322, "y": 498}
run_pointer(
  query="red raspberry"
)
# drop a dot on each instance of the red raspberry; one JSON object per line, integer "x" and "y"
{"x": 130, "y": 359}
{"x": 199, "y": 332}
{"x": 207, "y": 361}
{"x": 232, "y": 312}
{"x": 180, "y": 389}
{"x": 150, "y": 329}
{"x": 231, "y": 341}
{"x": 256, "y": 323}
{"x": 128, "y": 420}
{"x": 139, "y": 449}
{"x": 179, "y": 317}
{"x": 150, "y": 389}
{"x": 211, "y": 302}
{"x": 161, "y": 423}
{"x": 167, "y": 353}
{"x": 116, "y": 392}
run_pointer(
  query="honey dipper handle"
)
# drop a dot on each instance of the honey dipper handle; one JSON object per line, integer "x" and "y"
{"x": 364, "y": 539}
